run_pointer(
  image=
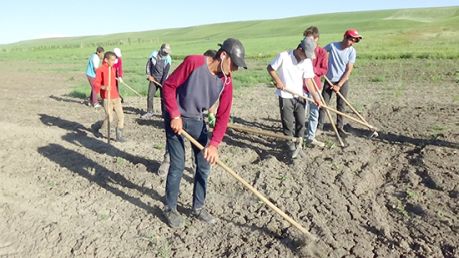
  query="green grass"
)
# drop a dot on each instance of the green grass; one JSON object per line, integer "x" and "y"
{"x": 80, "y": 91}
{"x": 406, "y": 34}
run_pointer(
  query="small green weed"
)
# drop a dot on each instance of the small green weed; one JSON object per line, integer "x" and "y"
{"x": 164, "y": 249}
{"x": 120, "y": 160}
{"x": 282, "y": 178}
{"x": 377, "y": 79}
{"x": 158, "y": 146}
{"x": 411, "y": 194}
{"x": 329, "y": 144}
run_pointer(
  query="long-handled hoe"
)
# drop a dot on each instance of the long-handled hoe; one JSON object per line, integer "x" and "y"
{"x": 309, "y": 237}
{"x": 374, "y": 134}
{"x": 109, "y": 102}
{"x": 328, "y": 114}
{"x": 129, "y": 87}
{"x": 262, "y": 132}
{"x": 300, "y": 95}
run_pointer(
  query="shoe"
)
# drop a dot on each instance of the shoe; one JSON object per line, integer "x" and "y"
{"x": 291, "y": 146}
{"x": 342, "y": 132}
{"x": 147, "y": 115}
{"x": 164, "y": 167}
{"x": 204, "y": 216}
{"x": 315, "y": 142}
{"x": 297, "y": 153}
{"x": 96, "y": 106}
{"x": 298, "y": 149}
{"x": 119, "y": 135}
{"x": 174, "y": 219}
{"x": 96, "y": 130}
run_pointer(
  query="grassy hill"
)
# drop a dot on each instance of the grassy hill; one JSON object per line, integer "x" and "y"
{"x": 389, "y": 34}
{"x": 432, "y": 32}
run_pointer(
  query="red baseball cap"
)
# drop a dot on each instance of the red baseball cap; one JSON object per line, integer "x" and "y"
{"x": 353, "y": 33}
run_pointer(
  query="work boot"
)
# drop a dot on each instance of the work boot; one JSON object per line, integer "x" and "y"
{"x": 204, "y": 216}
{"x": 148, "y": 115}
{"x": 96, "y": 129}
{"x": 174, "y": 219}
{"x": 298, "y": 148}
{"x": 291, "y": 146}
{"x": 119, "y": 135}
{"x": 164, "y": 167}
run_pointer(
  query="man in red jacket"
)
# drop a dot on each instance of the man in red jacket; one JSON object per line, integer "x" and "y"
{"x": 197, "y": 83}
{"x": 106, "y": 83}
{"x": 320, "y": 65}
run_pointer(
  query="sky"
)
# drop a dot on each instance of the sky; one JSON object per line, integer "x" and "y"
{"x": 24, "y": 20}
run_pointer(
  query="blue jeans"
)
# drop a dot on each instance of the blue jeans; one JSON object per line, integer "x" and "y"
{"x": 313, "y": 120}
{"x": 175, "y": 145}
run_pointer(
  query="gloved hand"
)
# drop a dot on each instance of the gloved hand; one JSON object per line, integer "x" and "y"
{"x": 212, "y": 119}
{"x": 120, "y": 79}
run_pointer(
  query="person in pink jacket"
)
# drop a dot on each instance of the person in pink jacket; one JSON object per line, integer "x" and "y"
{"x": 118, "y": 66}
{"x": 320, "y": 66}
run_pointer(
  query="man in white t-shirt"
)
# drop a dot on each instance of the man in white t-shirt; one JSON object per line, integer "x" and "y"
{"x": 291, "y": 70}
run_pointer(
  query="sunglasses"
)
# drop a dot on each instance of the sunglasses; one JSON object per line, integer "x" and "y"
{"x": 355, "y": 40}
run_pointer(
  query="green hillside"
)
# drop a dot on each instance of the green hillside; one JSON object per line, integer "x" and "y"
{"x": 431, "y": 33}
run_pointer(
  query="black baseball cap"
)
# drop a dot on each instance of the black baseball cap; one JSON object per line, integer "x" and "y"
{"x": 236, "y": 51}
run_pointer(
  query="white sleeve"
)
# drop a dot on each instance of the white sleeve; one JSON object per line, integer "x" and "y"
{"x": 308, "y": 72}
{"x": 96, "y": 61}
{"x": 276, "y": 62}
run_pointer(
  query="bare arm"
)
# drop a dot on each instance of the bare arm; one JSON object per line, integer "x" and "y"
{"x": 346, "y": 75}
{"x": 278, "y": 83}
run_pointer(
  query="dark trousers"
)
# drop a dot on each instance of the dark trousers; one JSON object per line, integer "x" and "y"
{"x": 340, "y": 104}
{"x": 152, "y": 88}
{"x": 293, "y": 116}
{"x": 175, "y": 144}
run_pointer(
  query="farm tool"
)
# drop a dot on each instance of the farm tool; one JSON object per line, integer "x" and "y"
{"x": 129, "y": 87}
{"x": 262, "y": 132}
{"x": 108, "y": 102}
{"x": 260, "y": 196}
{"x": 328, "y": 114}
{"x": 157, "y": 83}
{"x": 300, "y": 95}
{"x": 374, "y": 133}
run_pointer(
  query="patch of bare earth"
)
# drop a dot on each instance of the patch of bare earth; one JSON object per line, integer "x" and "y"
{"x": 64, "y": 192}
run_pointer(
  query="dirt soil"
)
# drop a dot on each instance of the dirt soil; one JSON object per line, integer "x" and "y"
{"x": 66, "y": 193}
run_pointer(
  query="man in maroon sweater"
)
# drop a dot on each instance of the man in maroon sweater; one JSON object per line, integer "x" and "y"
{"x": 192, "y": 88}
{"x": 320, "y": 65}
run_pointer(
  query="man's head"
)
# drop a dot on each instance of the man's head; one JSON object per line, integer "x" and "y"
{"x": 165, "y": 49}
{"x": 312, "y": 31}
{"x": 100, "y": 51}
{"x": 350, "y": 37}
{"x": 307, "y": 47}
{"x": 110, "y": 58}
{"x": 210, "y": 53}
{"x": 231, "y": 54}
